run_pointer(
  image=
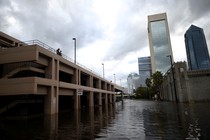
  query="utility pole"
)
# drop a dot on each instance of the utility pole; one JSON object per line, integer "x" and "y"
{"x": 75, "y": 44}
{"x": 172, "y": 71}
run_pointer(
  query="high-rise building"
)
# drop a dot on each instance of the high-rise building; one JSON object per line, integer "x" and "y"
{"x": 133, "y": 82}
{"x": 159, "y": 42}
{"x": 196, "y": 49}
{"x": 145, "y": 70}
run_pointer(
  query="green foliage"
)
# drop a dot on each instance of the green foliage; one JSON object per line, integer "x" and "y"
{"x": 157, "y": 79}
{"x": 153, "y": 86}
{"x": 142, "y": 93}
{"x": 148, "y": 82}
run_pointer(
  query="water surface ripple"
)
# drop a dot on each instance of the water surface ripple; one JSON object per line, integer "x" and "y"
{"x": 127, "y": 120}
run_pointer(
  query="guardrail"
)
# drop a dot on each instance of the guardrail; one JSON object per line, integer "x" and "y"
{"x": 41, "y": 44}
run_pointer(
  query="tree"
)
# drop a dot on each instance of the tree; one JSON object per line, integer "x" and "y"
{"x": 142, "y": 93}
{"x": 148, "y": 82}
{"x": 157, "y": 78}
{"x": 153, "y": 83}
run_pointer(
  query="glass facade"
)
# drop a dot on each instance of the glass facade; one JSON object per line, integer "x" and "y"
{"x": 133, "y": 82}
{"x": 144, "y": 64}
{"x": 196, "y": 49}
{"x": 160, "y": 45}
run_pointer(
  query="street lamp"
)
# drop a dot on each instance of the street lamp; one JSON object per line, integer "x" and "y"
{"x": 75, "y": 43}
{"x": 114, "y": 78}
{"x": 103, "y": 69}
{"x": 173, "y": 77}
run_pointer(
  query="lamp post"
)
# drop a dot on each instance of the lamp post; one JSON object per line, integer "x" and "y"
{"x": 173, "y": 77}
{"x": 103, "y": 69}
{"x": 114, "y": 78}
{"x": 75, "y": 43}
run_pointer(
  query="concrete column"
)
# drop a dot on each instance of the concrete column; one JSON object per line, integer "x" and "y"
{"x": 99, "y": 99}
{"x": 100, "y": 117}
{"x": 79, "y": 77}
{"x": 91, "y": 81}
{"x": 99, "y": 84}
{"x": 91, "y": 115}
{"x": 57, "y": 86}
{"x": 113, "y": 98}
{"x": 77, "y": 121}
{"x": 106, "y": 99}
{"x": 110, "y": 98}
{"x": 105, "y": 86}
{"x": 76, "y": 75}
{"x": 91, "y": 99}
{"x": 76, "y": 100}
{"x": 51, "y": 124}
{"x": 50, "y": 71}
{"x": 51, "y": 101}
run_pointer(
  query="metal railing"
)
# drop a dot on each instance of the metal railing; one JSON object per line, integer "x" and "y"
{"x": 41, "y": 44}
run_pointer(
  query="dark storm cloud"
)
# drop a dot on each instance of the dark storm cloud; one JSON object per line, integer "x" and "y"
{"x": 199, "y": 8}
{"x": 182, "y": 14}
{"x": 57, "y": 25}
{"x": 57, "y": 22}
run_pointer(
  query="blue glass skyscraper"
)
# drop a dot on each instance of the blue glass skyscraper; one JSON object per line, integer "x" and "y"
{"x": 196, "y": 49}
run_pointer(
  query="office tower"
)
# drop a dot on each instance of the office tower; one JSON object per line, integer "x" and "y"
{"x": 159, "y": 42}
{"x": 145, "y": 70}
{"x": 133, "y": 82}
{"x": 196, "y": 49}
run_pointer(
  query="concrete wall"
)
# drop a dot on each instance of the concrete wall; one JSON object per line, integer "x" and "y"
{"x": 49, "y": 75}
{"x": 191, "y": 86}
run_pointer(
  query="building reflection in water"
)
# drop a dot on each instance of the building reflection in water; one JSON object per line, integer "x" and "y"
{"x": 80, "y": 124}
{"x": 131, "y": 119}
{"x": 181, "y": 121}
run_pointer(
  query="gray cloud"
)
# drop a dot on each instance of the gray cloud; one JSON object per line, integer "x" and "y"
{"x": 5, "y": 7}
{"x": 57, "y": 22}
{"x": 56, "y": 28}
{"x": 198, "y": 9}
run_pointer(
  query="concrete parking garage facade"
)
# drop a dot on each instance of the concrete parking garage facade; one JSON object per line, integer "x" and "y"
{"x": 33, "y": 68}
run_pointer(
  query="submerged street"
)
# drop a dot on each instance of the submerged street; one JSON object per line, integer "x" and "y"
{"x": 130, "y": 119}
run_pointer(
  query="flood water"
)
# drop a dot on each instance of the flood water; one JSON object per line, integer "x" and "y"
{"x": 127, "y": 120}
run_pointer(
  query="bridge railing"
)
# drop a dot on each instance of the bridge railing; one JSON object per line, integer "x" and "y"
{"x": 41, "y": 44}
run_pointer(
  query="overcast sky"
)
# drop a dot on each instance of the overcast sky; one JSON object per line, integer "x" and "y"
{"x": 113, "y": 32}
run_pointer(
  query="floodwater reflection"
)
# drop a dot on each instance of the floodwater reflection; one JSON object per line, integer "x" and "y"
{"x": 131, "y": 119}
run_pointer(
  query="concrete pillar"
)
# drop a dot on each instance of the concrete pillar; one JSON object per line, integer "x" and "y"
{"x": 106, "y": 101}
{"x": 57, "y": 86}
{"x": 91, "y": 115}
{"x": 91, "y": 81}
{"x": 76, "y": 100}
{"x": 91, "y": 99}
{"x": 51, "y": 101}
{"x": 49, "y": 72}
{"x": 99, "y": 99}
{"x": 113, "y": 98}
{"x": 77, "y": 121}
{"x": 76, "y": 75}
{"x": 100, "y": 117}
{"x": 79, "y": 77}
{"x": 51, "y": 124}
{"x": 105, "y": 85}
{"x": 110, "y": 98}
{"x": 99, "y": 84}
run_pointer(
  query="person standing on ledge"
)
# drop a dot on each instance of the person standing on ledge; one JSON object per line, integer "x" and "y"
{"x": 58, "y": 51}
